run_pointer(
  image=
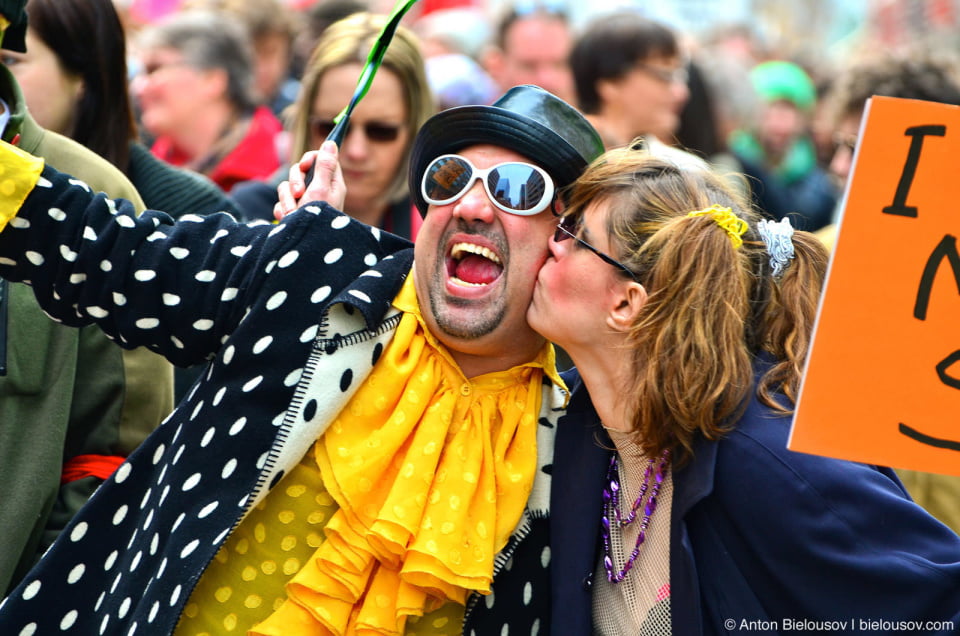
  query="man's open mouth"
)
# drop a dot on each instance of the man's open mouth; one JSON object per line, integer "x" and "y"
{"x": 473, "y": 265}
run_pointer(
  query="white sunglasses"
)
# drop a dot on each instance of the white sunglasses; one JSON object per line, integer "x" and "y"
{"x": 516, "y": 187}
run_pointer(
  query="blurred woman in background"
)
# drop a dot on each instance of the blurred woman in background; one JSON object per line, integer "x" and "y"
{"x": 196, "y": 98}
{"x": 631, "y": 78}
{"x": 375, "y": 152}
{"x": 74, "y": 80}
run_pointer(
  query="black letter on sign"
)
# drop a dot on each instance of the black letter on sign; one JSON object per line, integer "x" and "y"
{"x": 945, "y": 364}
{"x": 946, "y": 248}
{"x": 899, "y": 205}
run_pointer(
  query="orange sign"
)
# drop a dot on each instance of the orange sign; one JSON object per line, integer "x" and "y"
{"x": 882, "y": 384}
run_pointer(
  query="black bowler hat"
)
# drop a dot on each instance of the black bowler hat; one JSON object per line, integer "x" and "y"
{"x": 13, "y": 37}
{"x": 526, "y": 119}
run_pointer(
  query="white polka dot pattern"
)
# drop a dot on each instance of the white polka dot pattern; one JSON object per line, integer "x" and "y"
{"x": 198, "y": 290}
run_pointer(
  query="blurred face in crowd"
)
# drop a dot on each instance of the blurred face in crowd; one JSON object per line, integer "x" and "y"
{"x": 647, "y": 99}
{"x": 169, "y": 90}
{"x": 844, "y": 143}
{"x": 535, "y": 51}
{"x": 373, "y": 150}
{"x": 781, "y": 122}
{"x": 271, "y": 62}
{"x": 50, "y": 91}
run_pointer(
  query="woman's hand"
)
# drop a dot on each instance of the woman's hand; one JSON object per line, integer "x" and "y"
{"x": 326, "y": 185}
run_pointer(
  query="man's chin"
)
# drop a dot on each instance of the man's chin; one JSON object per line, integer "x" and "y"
{"x": 464, "y": 328}
{"x": 465, "y": 318}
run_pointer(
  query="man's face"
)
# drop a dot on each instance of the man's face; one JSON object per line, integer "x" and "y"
{"x": 475, "y": 269}
{"x": 781, "y": 122}
{"x": 648, "y": 99}
{"x": 536, "y": 50}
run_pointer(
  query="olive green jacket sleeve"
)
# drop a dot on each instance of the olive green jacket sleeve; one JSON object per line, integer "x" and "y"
{"x": 149, "y": 377}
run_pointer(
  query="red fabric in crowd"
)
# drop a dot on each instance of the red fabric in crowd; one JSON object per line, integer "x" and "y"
{"x": 100, "y": 466}
{"x": 255, "y": 157}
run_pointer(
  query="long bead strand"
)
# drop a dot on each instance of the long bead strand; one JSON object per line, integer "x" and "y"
{"x": 611, "y": 498}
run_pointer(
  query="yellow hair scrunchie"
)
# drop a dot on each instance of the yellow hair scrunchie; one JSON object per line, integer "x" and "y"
{"x": 725, "y": 218}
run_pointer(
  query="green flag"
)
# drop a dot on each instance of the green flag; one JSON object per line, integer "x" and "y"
{"x": 374, "y": 59}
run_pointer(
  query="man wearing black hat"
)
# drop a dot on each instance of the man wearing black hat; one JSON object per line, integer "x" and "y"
{"x": 370, "y": 445}
{"x": 72, "y": 403}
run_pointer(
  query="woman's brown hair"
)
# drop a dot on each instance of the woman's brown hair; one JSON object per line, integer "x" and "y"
{"x": 88, "y": 40}
{"x": 711, "y": 307}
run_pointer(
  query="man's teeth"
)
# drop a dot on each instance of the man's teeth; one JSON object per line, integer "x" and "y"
{"x": 460, "y": 248}
{"x": 464, "y": 283}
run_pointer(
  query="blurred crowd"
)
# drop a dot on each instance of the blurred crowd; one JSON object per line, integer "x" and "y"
{"x": 205, "y": 104}
{"x": 240, "y": 108}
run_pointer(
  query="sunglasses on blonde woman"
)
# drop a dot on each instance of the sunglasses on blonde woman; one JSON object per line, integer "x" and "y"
{"x": 374, "y": 131}
{"x": 568, "y": 227}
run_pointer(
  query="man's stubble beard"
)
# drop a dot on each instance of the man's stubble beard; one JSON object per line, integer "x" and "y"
{"x": 487, "y": 319}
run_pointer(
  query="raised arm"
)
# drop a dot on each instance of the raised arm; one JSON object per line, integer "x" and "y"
{"x": 179, "y": 287}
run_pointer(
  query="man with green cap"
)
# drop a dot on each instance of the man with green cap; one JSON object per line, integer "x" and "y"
{"x": 778, "y": 152}
{"x": 72, "y": 402}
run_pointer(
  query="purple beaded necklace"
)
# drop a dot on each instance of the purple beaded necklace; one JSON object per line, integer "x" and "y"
{"x": 611, "y": 500}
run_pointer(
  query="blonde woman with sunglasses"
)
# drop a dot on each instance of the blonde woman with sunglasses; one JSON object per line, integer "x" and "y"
{"x": 375, "y": 152}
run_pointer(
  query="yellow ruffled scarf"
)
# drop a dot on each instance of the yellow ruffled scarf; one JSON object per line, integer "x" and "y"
{"x": 431, "y": 472}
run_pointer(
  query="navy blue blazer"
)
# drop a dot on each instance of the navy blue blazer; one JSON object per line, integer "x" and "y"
{"x": 761, "y": 533}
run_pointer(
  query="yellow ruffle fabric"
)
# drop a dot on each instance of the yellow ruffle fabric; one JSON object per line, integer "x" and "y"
{"x": 431, "y": 472}
{"x": 246, "y": 581}
{"x": 19, "y": 173}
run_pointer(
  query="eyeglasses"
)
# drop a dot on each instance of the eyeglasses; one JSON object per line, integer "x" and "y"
{"x": 515, "y": 187}
{"x": 374, "y": 131}
{"x": 567, "y": 228}
{"x": 666, "y": 75}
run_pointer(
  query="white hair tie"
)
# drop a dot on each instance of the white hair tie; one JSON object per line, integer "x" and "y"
{"x": 778, "y": 237}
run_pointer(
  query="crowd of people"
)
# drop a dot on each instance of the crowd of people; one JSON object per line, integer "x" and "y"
{"x": 519, "y": 354}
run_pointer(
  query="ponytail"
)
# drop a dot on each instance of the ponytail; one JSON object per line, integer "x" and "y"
{"x": 789, "y": 318}
{"x": 690, "y": 357}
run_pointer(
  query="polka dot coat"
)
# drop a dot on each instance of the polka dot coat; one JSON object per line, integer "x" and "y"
{"x": 291, "y": 317}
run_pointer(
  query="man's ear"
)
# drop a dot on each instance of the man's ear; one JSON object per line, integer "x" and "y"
{"x": 608, "y": 90}
{"x": 627, "y": 306}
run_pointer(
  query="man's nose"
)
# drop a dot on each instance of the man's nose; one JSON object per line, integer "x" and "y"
{"x": 474, "y": 205}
